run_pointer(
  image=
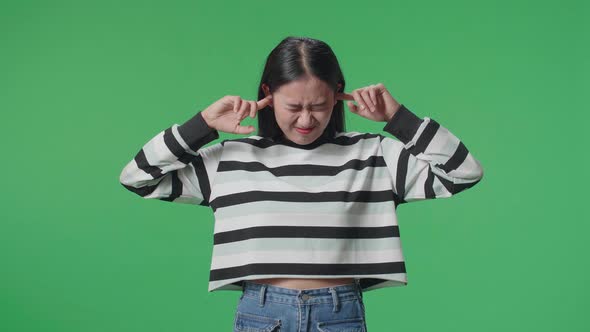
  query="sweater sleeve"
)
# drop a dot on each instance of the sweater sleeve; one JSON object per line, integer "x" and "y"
{"x": 428, "y": 161}
{"x": 173, "y": 166}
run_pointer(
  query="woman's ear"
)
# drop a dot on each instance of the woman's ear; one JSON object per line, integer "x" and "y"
{"x": 265, "y": 89}
{"x": 338, "y": 90}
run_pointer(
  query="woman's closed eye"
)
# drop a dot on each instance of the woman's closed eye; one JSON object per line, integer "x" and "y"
{"x": 316, "y": 109}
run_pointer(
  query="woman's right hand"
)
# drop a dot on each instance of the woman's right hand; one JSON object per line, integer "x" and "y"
{"x": 227, "y": 113}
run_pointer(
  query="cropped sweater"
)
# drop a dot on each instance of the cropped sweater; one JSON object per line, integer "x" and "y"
{"x": 322, "y": 210}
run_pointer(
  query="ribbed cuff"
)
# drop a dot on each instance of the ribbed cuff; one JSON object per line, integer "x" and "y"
{"x": 196, "y": 133}
{"x": 403, "y": 124}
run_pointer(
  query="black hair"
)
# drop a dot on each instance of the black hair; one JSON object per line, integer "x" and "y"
{"x": 292, "y": 59}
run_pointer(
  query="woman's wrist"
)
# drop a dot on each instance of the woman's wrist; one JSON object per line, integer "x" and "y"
{"x": 205, "y": 118}
{"x": 390, "y": 114}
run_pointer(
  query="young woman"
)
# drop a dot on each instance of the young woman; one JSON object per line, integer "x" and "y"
{"x": 305, "y": 211}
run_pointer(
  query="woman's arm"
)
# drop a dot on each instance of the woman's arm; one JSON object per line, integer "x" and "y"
{"x": 173, "y": 166}
{"x": 428, "y": 161}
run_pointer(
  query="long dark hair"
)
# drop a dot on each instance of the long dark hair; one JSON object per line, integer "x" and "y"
{"x": 292, "y": 59}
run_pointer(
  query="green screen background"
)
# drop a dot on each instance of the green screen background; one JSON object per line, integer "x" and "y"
{"x": 86, "y": 83}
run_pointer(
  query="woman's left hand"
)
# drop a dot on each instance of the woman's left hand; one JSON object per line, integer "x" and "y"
{"x": 376, "y": 103}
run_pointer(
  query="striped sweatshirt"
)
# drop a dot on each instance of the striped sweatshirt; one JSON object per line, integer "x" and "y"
{"x": 321, "y": 210}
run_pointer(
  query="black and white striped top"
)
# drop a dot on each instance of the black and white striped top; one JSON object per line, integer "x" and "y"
{"x": 322, "y": 210}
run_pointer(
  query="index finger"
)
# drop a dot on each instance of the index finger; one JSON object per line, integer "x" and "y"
{"x": 264, "y": 102}
{"x": 344, "y": 96}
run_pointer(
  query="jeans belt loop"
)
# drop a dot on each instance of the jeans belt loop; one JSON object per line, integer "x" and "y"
{"x": 334, "y": 299}
{"x": 358, "y": 288}
{"x": 262, "y": 294}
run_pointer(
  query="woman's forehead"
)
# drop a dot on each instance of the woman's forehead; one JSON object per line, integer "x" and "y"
{"x": 311, "y": 91}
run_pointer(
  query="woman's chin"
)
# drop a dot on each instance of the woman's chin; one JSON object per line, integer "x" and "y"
{"x": 302, "y": 138}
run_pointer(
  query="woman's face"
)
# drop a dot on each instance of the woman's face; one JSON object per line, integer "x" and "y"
{"x": 303, "y": 104}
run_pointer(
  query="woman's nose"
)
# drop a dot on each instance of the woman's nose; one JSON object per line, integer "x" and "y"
{"x": 306, "y": 119}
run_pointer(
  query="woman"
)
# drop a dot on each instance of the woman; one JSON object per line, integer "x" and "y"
{"x": 305, "y": 216}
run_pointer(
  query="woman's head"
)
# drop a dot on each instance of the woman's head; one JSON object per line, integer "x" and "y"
{"x": 303, "y": 76}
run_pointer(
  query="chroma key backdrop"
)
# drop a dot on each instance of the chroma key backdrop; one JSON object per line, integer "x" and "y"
{"x": 86, "y": 84}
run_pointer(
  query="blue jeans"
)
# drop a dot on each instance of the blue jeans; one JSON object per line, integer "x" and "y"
{"x": 269, "y": 308}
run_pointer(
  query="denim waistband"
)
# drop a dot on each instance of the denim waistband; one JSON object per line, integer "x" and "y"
{"x": 332, "y": 294}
